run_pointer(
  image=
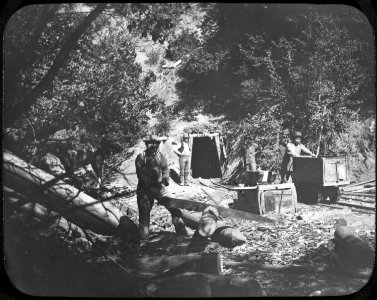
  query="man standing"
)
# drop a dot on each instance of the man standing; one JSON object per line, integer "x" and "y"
{"x": 153, "y": 175}
{"x": 295, "y": 149}
{"x": 184, "y": 152}
{"x": 283, "y": 153}
{"x": 250, "y": 161}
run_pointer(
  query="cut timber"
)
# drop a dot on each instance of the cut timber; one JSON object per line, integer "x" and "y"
{"x": 225, "y": 235}
{"x": 223, "y": 212}
{"x": 208, "y": 222}
{"x": 77, "y": 207}
{"x": 350, "y": 247}
{"x": 158, "y": 265}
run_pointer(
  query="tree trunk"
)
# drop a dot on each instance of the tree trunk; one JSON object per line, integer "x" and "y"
{"x": 203, "y": 285}
{"x": 225, "y": 235}
{"x": 223, "y": 211}
{"x": 351, "y": 249}
{"x": 205, "y": 263}
{"x": 77, "y": 207}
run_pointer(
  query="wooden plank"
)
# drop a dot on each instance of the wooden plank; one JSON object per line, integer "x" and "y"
{"x": 355, "y": 206}
{"x": 360, "y": 183}
{"x": 358, "y": 194}
{"x": 330, "y": 206}
{"x": 223, "y": 212}
{"x": 366, "y": 189}
{"x": 370, "y": 185}
{"x": 357, "y": 199}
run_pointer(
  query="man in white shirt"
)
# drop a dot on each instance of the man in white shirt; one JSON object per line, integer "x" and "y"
{"x": 295, "y": 149}
{"x": 184, "y": 152}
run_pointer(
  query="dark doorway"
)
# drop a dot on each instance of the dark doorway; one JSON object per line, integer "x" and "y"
{"x": 204, "y": 160}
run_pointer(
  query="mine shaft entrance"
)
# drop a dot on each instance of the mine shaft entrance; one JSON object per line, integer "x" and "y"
{"x": 204, "y": 159}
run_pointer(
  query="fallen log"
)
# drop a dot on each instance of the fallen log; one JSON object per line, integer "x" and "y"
{"x": 350, "y": 248}
{"x": 39, "y": 212}
{"x": 204, "y": 263}
{"x": 296, "y": 269}
{"x": 225, "y": 235}
{"x": 223, "y": 211}
{"x": 208, "y": 222}
{"x": 203, "y": 285}
{"x": 74, "y": 205}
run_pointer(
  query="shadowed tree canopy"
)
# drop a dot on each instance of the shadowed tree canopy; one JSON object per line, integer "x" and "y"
{"x": 264, "y": 65}
{"x": 69, "y": 65}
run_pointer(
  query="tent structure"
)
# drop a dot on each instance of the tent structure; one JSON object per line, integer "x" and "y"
{"x": 208, "y": 155}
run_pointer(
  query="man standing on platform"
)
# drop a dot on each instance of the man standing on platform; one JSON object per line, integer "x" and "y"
{"x": 294, "y": 149}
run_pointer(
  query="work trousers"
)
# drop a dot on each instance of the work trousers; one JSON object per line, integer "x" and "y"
{"x": 184, "y": 168}
{"x": 145, "y": 201}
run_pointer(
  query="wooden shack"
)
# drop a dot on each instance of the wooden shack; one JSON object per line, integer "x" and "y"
{"x": 208, "y": 154}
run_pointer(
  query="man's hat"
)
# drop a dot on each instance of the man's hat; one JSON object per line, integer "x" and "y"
{"x": 298, "y": 134}
{"x": 185, "y": 136}
{"x": 152, "y": 138}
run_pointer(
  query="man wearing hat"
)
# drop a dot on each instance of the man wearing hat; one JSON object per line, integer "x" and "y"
{"x": 153, "y": 175}
{"x": 295, "y": 149}
{"x": 283, "y": 154}
{"x": 184, "y": 152}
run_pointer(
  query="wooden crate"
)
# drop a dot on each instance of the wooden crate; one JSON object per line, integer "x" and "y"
{"x": 321, "y": 171}
{"x": 262, "y": 199}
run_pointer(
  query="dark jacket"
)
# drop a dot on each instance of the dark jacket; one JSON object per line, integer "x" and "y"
{"x": 151, "y": 169}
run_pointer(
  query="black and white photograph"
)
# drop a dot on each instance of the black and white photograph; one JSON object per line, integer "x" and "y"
{"x": 189, "y": 150}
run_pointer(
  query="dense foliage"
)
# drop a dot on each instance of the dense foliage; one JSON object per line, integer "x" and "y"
{"x": 272, "y": 66}
{"x": 73, "y": 66}
{"x": 260, "y": 67}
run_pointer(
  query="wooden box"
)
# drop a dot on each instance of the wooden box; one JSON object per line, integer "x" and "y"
{"x": 262, "y": 199}
{"x": 321, "y": 171}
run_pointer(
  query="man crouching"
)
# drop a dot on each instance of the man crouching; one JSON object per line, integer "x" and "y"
{"x": 153, "y": 176}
